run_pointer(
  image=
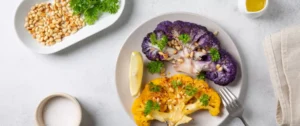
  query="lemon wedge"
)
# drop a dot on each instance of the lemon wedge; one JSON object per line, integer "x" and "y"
{"x": 136, "y": 73}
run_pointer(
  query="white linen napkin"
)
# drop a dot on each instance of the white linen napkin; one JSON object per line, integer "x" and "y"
{"x": 282, "y": 51}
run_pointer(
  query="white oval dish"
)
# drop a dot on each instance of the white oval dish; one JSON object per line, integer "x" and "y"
{"x": 104, "y": 21}
{"x": 133, "y": 43}
{"x": 40, "y": 109}
{"x": 243, "y": 8}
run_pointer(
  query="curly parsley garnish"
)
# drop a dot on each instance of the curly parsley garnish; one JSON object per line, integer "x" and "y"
{"x": 151, "y": 106}
{"x": 92, "y": 9}
{"x": 204, "y": 99}
{"x": 155, "y": 66}
{"x": 110, "y": 6}
{"x": 185, "y": 38}
{"x": 154, "y": 88}
{"x": 201, "y": 76}
{"x": 162, "y": 43}
{"x": 91, "y": 15}
{"x": 79, "y": 6}
{"x": 156, "y": 106}
{"x": 176, "y": 83}
{"x": 214, "y": 54}
{"x": 190, "y": 90}
{"x": 153, "y": 39}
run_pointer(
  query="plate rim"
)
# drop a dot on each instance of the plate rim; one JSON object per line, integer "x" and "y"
{"x": 241, "y": 66}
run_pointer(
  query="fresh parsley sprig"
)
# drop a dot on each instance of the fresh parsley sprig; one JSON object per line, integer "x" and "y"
{"x": 110, "y": 6}
{"x": 185, "y": 38}
{"x": 92, "y": 9}
{"x": 91, "y": 15}
{"x": 176, "y": 83}
{"x": 190, "y": 90}
{"x": 155, "y": 66}
{"x": 214, "y": 54}
{"x": 201, "y": 76}
{"x": 204, "y": 99}
{"x": 161, "y": 44}
{"x": 151, "y": 106}
{"x": 154, "y": 88}
{"x": 153, "y": 39}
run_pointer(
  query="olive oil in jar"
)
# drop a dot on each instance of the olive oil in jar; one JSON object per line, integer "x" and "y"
{"x": 255, "y": 5}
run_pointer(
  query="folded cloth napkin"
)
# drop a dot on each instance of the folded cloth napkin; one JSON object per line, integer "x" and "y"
{"x": 282, "y": 51}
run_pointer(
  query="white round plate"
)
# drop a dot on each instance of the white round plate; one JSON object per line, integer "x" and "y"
{"x": 133, "y": 43}
{"x": 103, "y": 22}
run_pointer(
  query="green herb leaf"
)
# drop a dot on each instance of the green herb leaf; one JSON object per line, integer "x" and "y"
{"x": 156, "y": 106}
{"x": 185, "y": 38}
{"x": 110, "y": 6}
{"x": 190, "y": 90}
{"x": 79, "y": 6}
{"x": 201, "y": 76}
{"x": 176, "y": 83}
{"x": 91, "y": 9}
{"x": 214, "y": 54}
{"x": 154, "y": 88}
{"x": 91, "y": 15}
{"x": 153, "y": 39}
{"x": 150, "y": 106}
{"x": 155, "y": 66}
{"x": 204, "y": 99}
{"x": 162, "y": 43}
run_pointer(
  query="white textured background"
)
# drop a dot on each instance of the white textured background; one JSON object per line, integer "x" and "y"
{"x": 86, "y": 70}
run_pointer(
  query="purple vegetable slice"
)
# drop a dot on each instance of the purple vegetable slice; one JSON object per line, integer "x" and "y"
{"x": 152, "y": 51}
{"x": 166, "y": 27}
{"x": 208, "y": 41}
{"x": 194, "y": 56}
{"x": 227, "y": 71}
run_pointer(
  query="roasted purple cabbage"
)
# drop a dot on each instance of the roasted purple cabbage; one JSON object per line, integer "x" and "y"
{"x": 188, "y": 48}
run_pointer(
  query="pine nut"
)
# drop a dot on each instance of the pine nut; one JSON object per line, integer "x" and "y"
{"x": 180, "y": 60}
{"x": 47, "y": 22}
{"x": 220, "y": 69}
{"x": 171, "y": 90}
{"x": 192, "y": 54}
{"x": 218, "y": 66}
{"x": 178, "y": 96}
{"x": 216, "y": 33}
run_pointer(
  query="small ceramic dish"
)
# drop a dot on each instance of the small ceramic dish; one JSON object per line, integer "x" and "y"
{"x": 104, "y": 21}
{"x": 243, "y": 8}
{"x": 40, "y": 109}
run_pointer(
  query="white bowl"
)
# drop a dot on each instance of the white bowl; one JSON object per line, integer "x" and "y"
{"x": 243, "y": 9}
{"x": 40, "y": 109}
{"x": 104, "y": 21}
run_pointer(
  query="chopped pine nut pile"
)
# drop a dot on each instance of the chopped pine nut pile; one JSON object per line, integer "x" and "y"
{"x": 49, "y": 23}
